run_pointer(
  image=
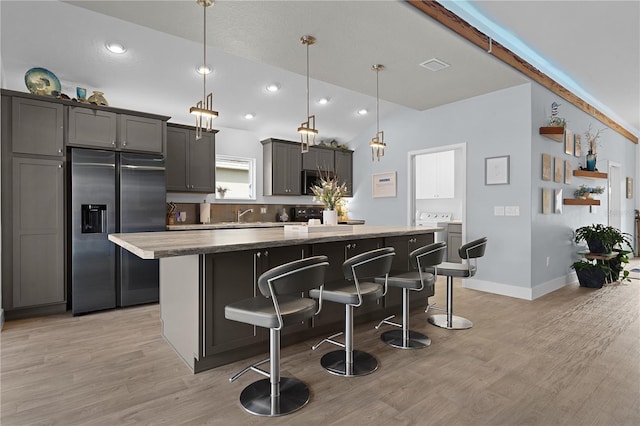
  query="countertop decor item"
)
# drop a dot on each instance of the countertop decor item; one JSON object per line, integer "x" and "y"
{"x": 98, "y": 98}
{"x": 329, "y": 192}
{"x": 41, "y": 81}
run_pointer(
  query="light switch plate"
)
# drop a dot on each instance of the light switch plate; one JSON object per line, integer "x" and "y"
{"x": 498, "y": 210}
{"x": 512, "y": 210}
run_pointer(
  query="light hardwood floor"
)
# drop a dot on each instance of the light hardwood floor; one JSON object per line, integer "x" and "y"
{"x": 569, "y": 358}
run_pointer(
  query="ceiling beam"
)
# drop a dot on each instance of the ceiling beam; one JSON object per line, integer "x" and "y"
{"x": 461, "y": 27}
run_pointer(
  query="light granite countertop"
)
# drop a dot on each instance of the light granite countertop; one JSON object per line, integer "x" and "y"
{"x": 156, "y": 245}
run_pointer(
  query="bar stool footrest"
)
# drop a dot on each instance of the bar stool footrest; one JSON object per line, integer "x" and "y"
{"x": 396, "y": 339}
{"x": 256, "y": 398}
{"x": 457, "y": 323}
{"x": 363, "y": 363}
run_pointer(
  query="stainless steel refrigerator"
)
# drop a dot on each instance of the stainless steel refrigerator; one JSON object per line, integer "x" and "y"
{"x": 113, "y": 192}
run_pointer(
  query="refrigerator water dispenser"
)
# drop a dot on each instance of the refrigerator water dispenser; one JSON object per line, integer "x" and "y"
{"x": 94, "y": 218}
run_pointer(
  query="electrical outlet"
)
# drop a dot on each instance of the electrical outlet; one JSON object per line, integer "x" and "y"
{"x": 498, "y": 210}
{"x": 548, "y": 258}
{"x": 263, "y": 210}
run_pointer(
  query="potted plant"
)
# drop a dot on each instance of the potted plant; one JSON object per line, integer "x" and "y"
{"x": 221, "y": 191}
{"x": 591, "y": 275}
{"x": 603, "y": 239}
{"x": 586, "y": 191}
{"x": 329, "y": 192}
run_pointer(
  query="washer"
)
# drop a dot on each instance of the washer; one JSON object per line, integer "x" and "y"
{"x": 435, "y": 219}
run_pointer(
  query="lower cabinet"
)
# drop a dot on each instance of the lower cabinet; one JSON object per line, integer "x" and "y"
{"x": 404, "y": 245}
{"x": 338, "y": 252}
{"x": 231, "y": 277}
{"x": 454, "y": 241}
{"x": 38, "y": 232}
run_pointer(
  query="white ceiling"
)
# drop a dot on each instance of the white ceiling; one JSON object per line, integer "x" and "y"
{"x": 252, "y": 43}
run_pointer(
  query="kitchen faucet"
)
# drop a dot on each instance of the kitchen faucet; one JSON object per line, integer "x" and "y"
{"x": 240, "y": 214}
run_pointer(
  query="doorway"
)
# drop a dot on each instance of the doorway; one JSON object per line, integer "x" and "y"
{"x": 615, "y": 195}
{"x": 454, "y": 202}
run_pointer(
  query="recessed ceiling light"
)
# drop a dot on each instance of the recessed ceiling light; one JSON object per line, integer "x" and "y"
{"x": 115, "y": 47}
{"x": 363, "y": 111}
{"x": 273, "y": 87}
{"x": 434, "y": 64}
{"x": 249, "y": 116}
{"x": 323, "y": 101}
{"x": 204, "y": 69}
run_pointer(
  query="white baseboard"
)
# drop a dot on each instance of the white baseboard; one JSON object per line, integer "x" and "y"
{"x": 526, "y": 293}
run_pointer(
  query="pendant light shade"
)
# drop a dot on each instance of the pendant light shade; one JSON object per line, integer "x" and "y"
{"x": 307, "y": 129}
{"x": 377, "y": 143}
{"x": 203, "y": 110}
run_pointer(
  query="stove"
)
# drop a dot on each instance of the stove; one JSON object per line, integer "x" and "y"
{"x": 304, "y": 213}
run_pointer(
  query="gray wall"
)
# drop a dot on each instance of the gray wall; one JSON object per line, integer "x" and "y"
{"x": 491, "y": 125}
{"x": 552, "y": 235}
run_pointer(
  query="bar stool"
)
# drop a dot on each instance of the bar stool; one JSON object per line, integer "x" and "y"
{"x": 281, "y": 305}
{"x": 359, "y": 272}
{"x": 471, "y": 252}
{"x": 416, "y": 280}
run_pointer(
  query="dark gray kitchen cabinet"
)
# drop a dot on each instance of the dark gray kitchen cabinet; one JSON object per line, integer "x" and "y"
{"x": 338, "y": 252}
{"x": 37, "y": 217}
{"x": 37, "y": 127}
{"x": 92, "y": 128}
{"x": 190, "y": 164}
{"x": 231, "y": 277}
{"x": 282, "y": 167}
{"x": 137, "y": 133}
{"x": 344, "y": 169}
{"x": 403, "y": 245}
{"x": 319, "y": 158}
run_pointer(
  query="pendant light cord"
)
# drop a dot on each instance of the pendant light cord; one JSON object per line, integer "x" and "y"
{"x": 307, "y": 80}
{"x": 377, "y": 100}
{"x": 204, "y": 73}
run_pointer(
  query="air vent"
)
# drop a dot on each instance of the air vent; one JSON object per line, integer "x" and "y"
{"x": 434, "y": 64}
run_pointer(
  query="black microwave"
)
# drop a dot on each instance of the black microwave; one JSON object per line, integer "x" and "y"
{"x": 311, "y": 178}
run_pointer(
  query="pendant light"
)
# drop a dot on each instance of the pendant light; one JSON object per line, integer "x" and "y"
{"x": 204, "y": 109}
{"x": 307, "y": 129}
{"x": 377, "y": 142}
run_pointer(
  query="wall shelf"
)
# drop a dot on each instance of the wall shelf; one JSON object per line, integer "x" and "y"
{"x": 581, "y": 202}
{"x": 554, "y": 132}
{"x": 590, "y": 175}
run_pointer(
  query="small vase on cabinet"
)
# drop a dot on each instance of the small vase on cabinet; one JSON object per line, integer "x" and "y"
{"x": 329, "y": 217}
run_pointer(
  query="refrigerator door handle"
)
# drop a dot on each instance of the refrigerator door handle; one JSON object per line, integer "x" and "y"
{"x": 129, "y": 166}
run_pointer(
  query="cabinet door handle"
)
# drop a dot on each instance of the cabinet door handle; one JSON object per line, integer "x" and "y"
{"x": 348, "y": 246}
{"x": 124, "y": 143}
{"x": 59, "y": 166}
{"x": 113, "y": 143}
{"x": 60, "y": 151}
{"x": 354, "y": 245}
{"x": 258, "y": 254}
{"x": 266, "y": 253}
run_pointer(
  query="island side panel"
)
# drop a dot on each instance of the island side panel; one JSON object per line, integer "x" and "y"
{"x": 179, "y": 305}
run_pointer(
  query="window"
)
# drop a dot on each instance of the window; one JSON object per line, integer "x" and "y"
{"x": 237, "y": 176}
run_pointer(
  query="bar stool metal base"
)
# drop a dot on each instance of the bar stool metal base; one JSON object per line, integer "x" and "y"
{"x": 363, "y": 363}
{"x": 256, "y": 398}
{"x": 415, "y": 340}
{"x": 457, "y": 323}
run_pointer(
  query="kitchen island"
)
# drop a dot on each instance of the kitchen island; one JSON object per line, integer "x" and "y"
{"x": 202, "y": 271}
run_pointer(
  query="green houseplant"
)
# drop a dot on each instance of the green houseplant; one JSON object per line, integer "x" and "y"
{"x": 591, "y": 275}
{"x": 603, "y": 239}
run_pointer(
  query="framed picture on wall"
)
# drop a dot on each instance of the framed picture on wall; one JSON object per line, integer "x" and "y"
{"x": 546, "y": 167}
{"x": 568, "y": 171}
{"x": 558, "y": 170}
{"x": 568, "y": 141}
{"x": 558, "y": 201}
{"x": 546, "y": 201}
{"x": 629, "y": 187}
{"x": 577, "y": 146}
{"x": 383, "y": 184}
{"x": 496, "y": 170}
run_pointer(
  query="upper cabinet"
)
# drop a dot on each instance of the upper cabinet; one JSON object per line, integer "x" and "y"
{"x": 344, "y": 169}
{"x": 435, "y": 175}
{"x": 284, "y": 162}
{"x": 318, "y": 158}
{"x": 282, "y": 167}
{"x": 140, "y": 133}
{"x": 190, "y": 164}
{"x": 96, "y": 128}
{"x": 37, "y": 127}
{"x": 92, "y": 128}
